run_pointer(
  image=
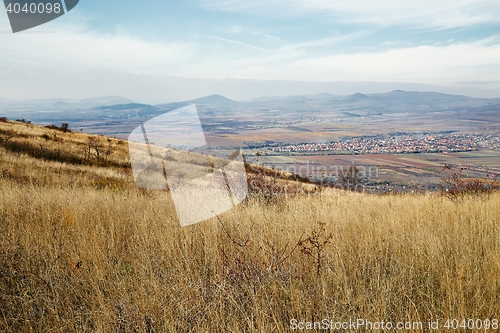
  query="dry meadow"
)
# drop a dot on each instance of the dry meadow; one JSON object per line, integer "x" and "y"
{"x": 82, "y": 249}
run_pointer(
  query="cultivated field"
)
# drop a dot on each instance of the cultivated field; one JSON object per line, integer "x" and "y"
{"x": 82, "y": 249}
{"x": 417, "y": 172}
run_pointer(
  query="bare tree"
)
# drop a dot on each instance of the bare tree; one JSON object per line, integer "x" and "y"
{"x": 94, "y": 144}
{"x": 109, "y": 150}
{"x": 64, "y": 127}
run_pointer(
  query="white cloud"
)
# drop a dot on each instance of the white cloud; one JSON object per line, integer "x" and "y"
{"x": 74, "y": 47}
{"x": 478, "y": 61}
{"x": 423, "y": 13}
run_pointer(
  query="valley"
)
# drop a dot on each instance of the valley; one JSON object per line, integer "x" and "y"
{"x": 407, "y": 136}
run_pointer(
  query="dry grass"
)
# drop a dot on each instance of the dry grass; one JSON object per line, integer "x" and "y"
{"x": 81, "y": 256}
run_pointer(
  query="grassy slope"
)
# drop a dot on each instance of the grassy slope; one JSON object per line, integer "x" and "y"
{"x": 82, "y": 249}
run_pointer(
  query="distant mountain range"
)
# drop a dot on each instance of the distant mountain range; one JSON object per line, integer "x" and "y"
{"x": 400, "y": 100}
{"x": 397, "y": 98}
{"x": 107, "y": 114}
{"x": 63, "y": 102}
{"x": 215, "y": 100}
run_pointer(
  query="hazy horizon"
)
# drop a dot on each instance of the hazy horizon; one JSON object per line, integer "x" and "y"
{"x": 183, "y": 89}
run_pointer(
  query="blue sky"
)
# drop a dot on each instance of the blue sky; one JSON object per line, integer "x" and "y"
{"x": 433, "y": 43}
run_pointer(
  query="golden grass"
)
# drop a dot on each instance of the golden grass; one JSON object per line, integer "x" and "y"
{"x": 76, "y": 256}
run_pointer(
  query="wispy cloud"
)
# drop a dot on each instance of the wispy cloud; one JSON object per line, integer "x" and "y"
{"x": 422, "y": 13}
{"x": 77, "y": 49}
{"x": 422, "y": 64}
{"x": 74, "y": 46}
{"x": 274, "y": 38}
{"x": 236, "y": 42}
{"x": 334, "y": 39}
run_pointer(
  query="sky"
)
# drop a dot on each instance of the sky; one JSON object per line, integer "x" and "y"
{"x": 162, "y": 51}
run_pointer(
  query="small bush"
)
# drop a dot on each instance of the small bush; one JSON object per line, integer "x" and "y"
{"x": 52, "y": 126}
{"x": 63, "y": 128}
{"x": 458, "y": 185}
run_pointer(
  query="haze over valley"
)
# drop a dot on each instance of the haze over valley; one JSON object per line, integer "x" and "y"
{"x": 407, "y": 136}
